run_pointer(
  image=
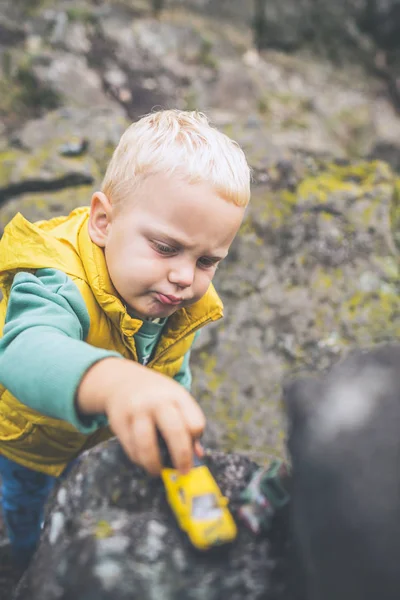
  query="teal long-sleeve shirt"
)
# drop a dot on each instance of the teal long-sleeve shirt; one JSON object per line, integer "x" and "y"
{"x": 43, "y": 352}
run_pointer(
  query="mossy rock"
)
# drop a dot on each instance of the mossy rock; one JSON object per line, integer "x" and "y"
{"x": 314, "y": 272}
{"x": 45, "y": 182}
{"x": 45, "y": 205}
{"x": 46, "y": 164}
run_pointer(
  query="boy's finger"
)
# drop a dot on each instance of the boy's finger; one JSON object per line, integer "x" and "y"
{"x": 177, "y": 437}
{"x": 198, "y": 449}
{"x": 144, "y": 441}
{"x": 192, "y": 415}
{"x": 122, "y": 430}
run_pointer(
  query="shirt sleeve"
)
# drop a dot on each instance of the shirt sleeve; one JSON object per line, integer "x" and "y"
{"x": 184, "y": 375}
{"x": 43, "y": 353}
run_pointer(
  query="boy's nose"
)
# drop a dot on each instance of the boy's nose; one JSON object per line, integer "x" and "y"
{"x": 182, "y": 275}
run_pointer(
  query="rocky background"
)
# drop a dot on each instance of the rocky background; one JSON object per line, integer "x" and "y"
{"x": 310, "y": 90}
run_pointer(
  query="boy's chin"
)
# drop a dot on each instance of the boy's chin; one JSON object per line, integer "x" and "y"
{"x": 154, "y": 312}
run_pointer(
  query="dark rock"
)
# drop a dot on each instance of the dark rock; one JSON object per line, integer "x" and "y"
{"x": 390, "y": 153}
{"x": 381, "y": 19}
{"x": 74, "y": 148}
{"x": 345, "y": 447}
{"x": 110, "y": 535}
{"x": 10, "y": 33}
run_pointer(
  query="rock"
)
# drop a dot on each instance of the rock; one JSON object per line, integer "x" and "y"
{"x": 101, "y": 126}
{"x": 344, "y": 444}
{"x": 109, "y": 534}
{"x": 46, "y": 204}
{"x": 314, "y": 269}
{"x": 72, "y": 79}
{"x": 117, "y": 58}
{"x": 334, "y": 29}
{"x": 45, "y": 170}
{"x": 10, "y": 33}
{"x": 312, "y": 274}
{"x": 382, "y": 20}
{"x": 41, "y": 177}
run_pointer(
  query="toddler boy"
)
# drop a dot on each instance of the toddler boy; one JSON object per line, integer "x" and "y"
{"x": 100, "y": 309}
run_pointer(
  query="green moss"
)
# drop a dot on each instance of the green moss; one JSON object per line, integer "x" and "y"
{"x": 287, "y": 99}
{"x": 323, "y": 280}
{"x": 191, "y": 100}
{"x": 290, "y": 110}
{"x": 32, "y": 166}
{"x": 47, "y": 160}
{"x": 214, "y": 378}
{"x": 7, "y": 164}
{"x": 395, "y": 213}
{"x": 248, "y": 231}
{"x": 295, "y": 121}
{"x": 115, "y": 496}
{"x": 209, "y": 362}
{"x": 21, "y": 93}
{"x": 354, "y": 179}
{"x": 205, "y": 56}
{"x": 374, "y": 316}
{"x": 229, "y": 130}
{"x": 229, "y": 414}
{"x": 353, "y": 127}
{"x": 272, "y": 208}
{"x": 288, "y": 198}
{"x": 264, "y": 105}
{"x": 390, "y": 267}
{"x": 31, "y": 7}
{"x": 33, "y": 93}
{"x": 367, "y": 173}
{"x": 367, "y": 182}
{"x": 45, "y": 205}
{"x": 82, "y": 14}
{"x": 319, "y": 188}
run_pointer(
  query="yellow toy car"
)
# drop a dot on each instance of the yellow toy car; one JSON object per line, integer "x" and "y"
{"x": 199, "y": 506}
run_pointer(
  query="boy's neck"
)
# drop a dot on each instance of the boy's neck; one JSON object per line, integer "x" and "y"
{"x": 134, "y": 315}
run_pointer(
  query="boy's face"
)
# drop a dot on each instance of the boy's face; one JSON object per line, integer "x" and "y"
{"x": 163, "y": 245}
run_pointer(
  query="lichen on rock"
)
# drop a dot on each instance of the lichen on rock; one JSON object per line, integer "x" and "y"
{"x": 314, "y": 273}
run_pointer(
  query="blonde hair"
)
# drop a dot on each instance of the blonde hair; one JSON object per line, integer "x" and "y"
{"x": 175, "y": 141}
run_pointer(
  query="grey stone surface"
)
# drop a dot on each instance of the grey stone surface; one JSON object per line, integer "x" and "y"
{"x": 109, "y": 534}
{"x": 313, "y": 273}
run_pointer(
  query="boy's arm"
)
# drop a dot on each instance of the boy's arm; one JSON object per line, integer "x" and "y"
{"x": 43, "y": 355}
{"x": 46, "y": 364}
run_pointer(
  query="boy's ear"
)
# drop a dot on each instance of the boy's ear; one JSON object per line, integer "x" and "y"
{"x": 99, "y": 219}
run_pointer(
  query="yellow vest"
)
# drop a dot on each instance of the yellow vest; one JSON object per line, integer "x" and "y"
{"x": 43, "y": 443}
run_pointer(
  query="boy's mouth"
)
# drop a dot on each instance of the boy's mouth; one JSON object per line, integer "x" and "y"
{"x": 169, "y": 300}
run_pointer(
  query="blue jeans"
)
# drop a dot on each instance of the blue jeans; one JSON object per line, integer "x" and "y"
{"x": 24, "y": 494}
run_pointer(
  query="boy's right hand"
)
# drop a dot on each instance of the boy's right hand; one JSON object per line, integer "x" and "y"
{"x": 137, "y": 402}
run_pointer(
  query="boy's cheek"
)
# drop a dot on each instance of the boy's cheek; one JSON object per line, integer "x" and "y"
{"x": 203, "y": 287}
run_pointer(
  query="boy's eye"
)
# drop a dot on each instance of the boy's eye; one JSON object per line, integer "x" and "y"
{"x": 207, "y": 263}
{"x": 163, "y": 248}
